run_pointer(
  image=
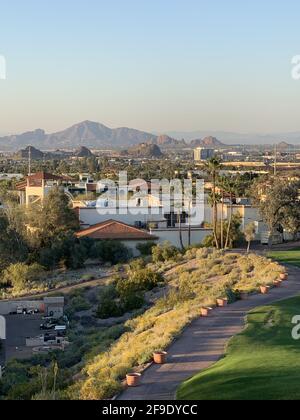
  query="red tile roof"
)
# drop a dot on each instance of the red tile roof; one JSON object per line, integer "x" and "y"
{"x": 35, "y": 180}
{"x": 39, "y": 176}
{"x": 114, "y": 230}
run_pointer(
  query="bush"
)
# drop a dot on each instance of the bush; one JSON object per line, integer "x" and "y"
{"x": 163, "y": 253}
{"x": 140, "y": 280}
{"x": 108, "y": 306}
{"x": 88, "y": 277}
{"x": 109, "y": 309}
{"x": 126, "y": 295}
{"x": 113, "y": 252}
{"x": 146, "y": 249}
{"x": 78, "y": 304}
{"x": 132, "y": 301}
{"x": 65, "y": 250}
{"x": 22, "y": 277}
{"x": 137, "y": 264}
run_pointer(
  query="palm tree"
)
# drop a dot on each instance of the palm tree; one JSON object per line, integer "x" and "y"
{"x": 212, "y": 167}
{"x": 180, "y": 230}
{"x": 222, "y": 183}
{"x": 232, "y": 186}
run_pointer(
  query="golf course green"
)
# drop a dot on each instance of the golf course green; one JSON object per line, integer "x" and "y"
{"x": 261, "y": 363}
{"x": 286, "y": 257}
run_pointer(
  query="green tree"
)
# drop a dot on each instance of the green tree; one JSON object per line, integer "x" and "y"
{"x": 277, "y": 200}
{"x": 250, "y": 234}
{"x": 13, "y": 247}
{"x": 52, "y": 218}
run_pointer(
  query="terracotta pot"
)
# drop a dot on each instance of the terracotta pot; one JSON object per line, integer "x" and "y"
{"x": 284, "y": 276}
{"x": 133, "y": 379}
{"x": 222, "y": 302}
{"x": 160, "y": 357}
{"x": 264, "y": 289}
{"x": 205, "y": 311}
{"x": 277, "y": 283}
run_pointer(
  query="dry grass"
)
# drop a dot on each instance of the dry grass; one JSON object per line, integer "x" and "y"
{"x": 202, "y": 277}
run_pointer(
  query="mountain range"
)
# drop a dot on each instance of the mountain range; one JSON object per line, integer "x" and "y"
{"x": 94, "y": 135}
{"x": 232, "y": 138}
{"x": 89, "y": 134}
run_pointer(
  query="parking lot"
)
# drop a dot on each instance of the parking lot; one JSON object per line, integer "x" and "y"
{"x": 18, "y": 328}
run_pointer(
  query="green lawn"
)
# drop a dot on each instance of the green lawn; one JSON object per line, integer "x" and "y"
{"x": 288, "y": 257}
{"x": 261, "y": 363}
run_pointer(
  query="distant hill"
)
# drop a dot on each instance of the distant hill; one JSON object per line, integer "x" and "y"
{"x": 83, "y": 152}
{"x": 144, "y": 150}
{"x": 284, "y": 146}
{"x": 210, "y": 141}
{"x": 165, "y": 141}
{"x": 88, "y": 134}
{"x": 235, "y": 138}
{"x": 34, "y": 153}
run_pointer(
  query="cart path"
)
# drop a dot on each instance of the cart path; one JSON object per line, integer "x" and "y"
{"x": 203, "y": 343}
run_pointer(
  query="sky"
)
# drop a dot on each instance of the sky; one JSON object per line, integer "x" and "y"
{"x": 150, "y": 64}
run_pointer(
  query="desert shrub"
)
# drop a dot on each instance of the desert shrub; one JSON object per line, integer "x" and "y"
{"x": 108, "y": 306}
{"x": 79, "y": 303}
{"x": 93, "y": 390}
{"x": 113, "y": 252}
{"x": 146, "y": 248}
{"x": 109, "y": 309}
{"x": 66, "y": 251}
{"x": 117, "y": 299}
{"x": 88, "y": 277}
{"x": 137, "y": 264}
{"x": 131, "y": 301}
{"x": 165, "y": 252}
{"x": 22, "y": 277}
{"x": 140, "y": 280}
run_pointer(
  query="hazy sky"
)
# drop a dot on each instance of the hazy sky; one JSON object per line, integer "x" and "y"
{"x": 150, "y": 64}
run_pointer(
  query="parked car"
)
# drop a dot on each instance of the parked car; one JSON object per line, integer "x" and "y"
{"x": 49, "y": 337}
{"x": 20, "y": 310}
{"x": 30, "y": 311}
{"x": 61, "y": 330}
{"x": 47, "y": 326}
{"x": 48, "y": 319}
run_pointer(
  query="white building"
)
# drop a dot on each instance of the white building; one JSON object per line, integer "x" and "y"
{"x": 202, "y": 153}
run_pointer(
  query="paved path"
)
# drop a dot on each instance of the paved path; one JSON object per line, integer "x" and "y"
{"x": 203, "y": 343}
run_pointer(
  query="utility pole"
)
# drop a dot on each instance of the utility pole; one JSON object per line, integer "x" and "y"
{"x": 29, "y": 161}
{"x": 275, "y": 161}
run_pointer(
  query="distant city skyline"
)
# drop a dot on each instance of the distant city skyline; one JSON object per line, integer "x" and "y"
{"x": 151, "y": 65}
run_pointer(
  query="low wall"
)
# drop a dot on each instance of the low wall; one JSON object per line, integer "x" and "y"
{"x": 34, "y": 342}
{"x": 172, "y": 236}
